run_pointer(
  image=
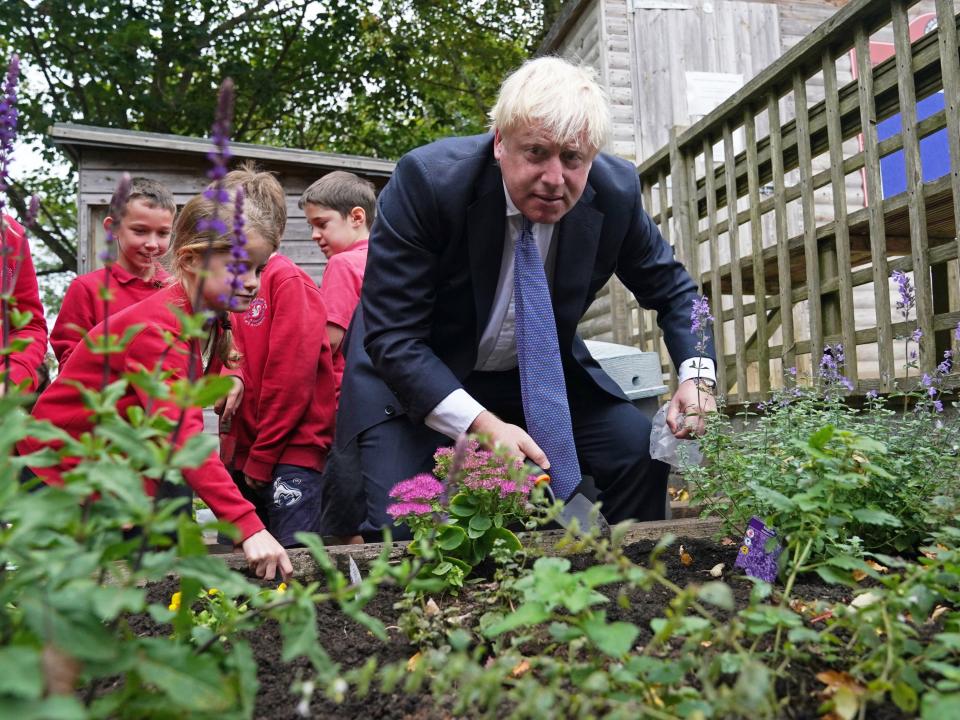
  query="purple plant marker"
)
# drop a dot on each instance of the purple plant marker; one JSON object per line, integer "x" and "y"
{"x": 753, "y": 556}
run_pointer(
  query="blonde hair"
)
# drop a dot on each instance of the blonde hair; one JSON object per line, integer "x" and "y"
{"x": 262, "y": 190}
{"x": 562, "y": 97}
{"x": 190, "y": 242}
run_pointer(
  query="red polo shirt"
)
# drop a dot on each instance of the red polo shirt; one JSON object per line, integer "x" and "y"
{"x": 340, "y": 289}
{"x": 83, "y": 304}
{"x": 18, "y": 274}
{"x": 288, "y": 406}
{"x": 62, "y": 405}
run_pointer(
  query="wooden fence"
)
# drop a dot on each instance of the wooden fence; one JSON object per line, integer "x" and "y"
{"x": 774, "y": 203}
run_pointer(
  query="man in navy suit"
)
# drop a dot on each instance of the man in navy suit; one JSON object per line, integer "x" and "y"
{"x": 432, "y": 351}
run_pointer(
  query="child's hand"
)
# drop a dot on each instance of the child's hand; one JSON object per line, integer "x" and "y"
{"x": 265, "y": 556}
{"x": 226, "y": 406}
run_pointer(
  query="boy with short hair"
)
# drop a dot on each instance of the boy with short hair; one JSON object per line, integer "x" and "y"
{"x": 276, "y": 433}
{"x": 340, "y": 208}
{"x": 142, "y": 234}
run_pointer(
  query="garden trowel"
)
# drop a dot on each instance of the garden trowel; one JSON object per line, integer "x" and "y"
{"x": 578, "y": 507}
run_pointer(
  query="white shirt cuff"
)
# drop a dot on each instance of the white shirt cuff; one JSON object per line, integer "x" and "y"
{"x": 454, "y": 414}
{"x": 697, "y": 367}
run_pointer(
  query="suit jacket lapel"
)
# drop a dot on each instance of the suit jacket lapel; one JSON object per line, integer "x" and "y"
{"x": 577, "y": 242}
{"x": 486, "y": 224}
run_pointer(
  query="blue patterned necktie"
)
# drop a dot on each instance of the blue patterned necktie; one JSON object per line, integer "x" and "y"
{"x": 542, "y": 386}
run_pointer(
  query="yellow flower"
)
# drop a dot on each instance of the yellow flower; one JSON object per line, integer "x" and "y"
{"x": 174, "y": 602}
{"x": 282, "y": 588}
{"x": 212, "y": 592}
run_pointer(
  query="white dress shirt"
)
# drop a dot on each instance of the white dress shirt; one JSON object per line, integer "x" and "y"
{"x": 498, "y": 346}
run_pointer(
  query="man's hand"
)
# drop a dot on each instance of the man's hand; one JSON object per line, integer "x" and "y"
{"x": 512, "y": 437}
{"x": 228, "y": 405}
{"x": 687, "y": 409}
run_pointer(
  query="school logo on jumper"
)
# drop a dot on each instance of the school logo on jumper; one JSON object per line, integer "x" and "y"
{"x": 256, "y": 313}
{"x": 285, "y": 495}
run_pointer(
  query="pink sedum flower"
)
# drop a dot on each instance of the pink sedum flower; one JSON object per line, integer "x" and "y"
{"x": 422, "y": 487}
{"x": 407, "y": 509}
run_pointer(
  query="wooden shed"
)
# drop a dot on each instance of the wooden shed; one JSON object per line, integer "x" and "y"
{"x": 699, "y": 87}
{"x": 102, "y": 154}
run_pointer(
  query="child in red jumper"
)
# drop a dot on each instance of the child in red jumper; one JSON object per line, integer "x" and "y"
{"x": 282, "y": 427}
{"x": 201, "y": 284}
{"x": 143, "y": 235}
{"x": 18, "y": 278}
{"x": 340, "y": 208}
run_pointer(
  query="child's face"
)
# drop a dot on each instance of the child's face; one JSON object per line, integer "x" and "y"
{"x": 143, "y": 235}
{"x": 333, "y": 232}
{"x": 216, "y": 288}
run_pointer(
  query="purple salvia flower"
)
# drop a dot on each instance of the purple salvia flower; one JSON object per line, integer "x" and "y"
{"x": 700, "y": 322}
{"x": 238, "y": 252}
{"x": 938, "y": 406}
{"x": 926, "y": 381}
{"x": 872, "y": 395}
{"x": 422, "y": 487}
{"x": 831, "y": 368}
{"x": 33, "y": 210}
{"x": 219, "y": 157}
{"x": 916, "y": 335}
{"x": 908, "y": 298}
{"x": 8, "y": 124}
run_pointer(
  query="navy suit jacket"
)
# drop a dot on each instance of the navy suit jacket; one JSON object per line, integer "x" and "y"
{"x": 434, "y": 261}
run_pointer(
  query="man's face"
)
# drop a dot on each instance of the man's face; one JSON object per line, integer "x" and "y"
{"x": 544, "y": 178}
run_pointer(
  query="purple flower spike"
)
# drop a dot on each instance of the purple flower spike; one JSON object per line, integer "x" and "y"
{"x": 908, "y": 297}
{"x": 219, "y": 158}
{"x": 8, "y": 124}
{"x": 238, "y": 253}
{"x": 700, "y": 322}
{"x": 916, "y": 335}
{"x": 32, "y": 211}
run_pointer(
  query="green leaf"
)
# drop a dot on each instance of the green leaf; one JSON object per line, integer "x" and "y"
{"x": 189, "y": 681}
{"x": 717, "y": 593}
{"x": 211, "y": 389}
{"x": 480, "y": 523}
{"x": 821, "y": 437}
{"x": 872, "y": 516}
{"x": 443, "y": 568}
{"x": 194, "y": 451}
{"x": 614, "y": 639}
{"x": 528, "y": 614}
{"x": 600, "y": 575}
{"x": 462, "y": 505}
{"x": 451, "y": 537}
{"x": 904, "y": 697}
{"x": 937, "y": 706}
{"x": 20, "y": 672}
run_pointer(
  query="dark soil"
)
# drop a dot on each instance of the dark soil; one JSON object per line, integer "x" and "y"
{"x": 351, "y": 645}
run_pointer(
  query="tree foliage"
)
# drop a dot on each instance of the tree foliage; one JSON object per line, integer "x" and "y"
{"x": 334, "y": 75}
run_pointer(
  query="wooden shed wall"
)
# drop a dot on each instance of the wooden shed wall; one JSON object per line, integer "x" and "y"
{"x": 185, "y": 175}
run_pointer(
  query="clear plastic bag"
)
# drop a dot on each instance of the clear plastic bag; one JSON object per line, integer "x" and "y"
{"x": 665, "y": 447}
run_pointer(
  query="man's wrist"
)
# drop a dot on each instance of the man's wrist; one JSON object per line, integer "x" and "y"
{"x": 705, "y": 385}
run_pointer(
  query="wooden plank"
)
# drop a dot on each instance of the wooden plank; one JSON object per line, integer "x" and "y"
{"x": 950, "y": 72}
{"x": 690, "y": 175}
{"x": 875, "y": 218}
{"x": 714, "y": 246}
{"x": 811, "y": 253}
{"x": 737, "y": 280}
{"x": 789, "y": 355}
{"x": 756, "y": 244}
{"x": 841, "y": 234}
{"x": 914, "y": 172}
{"x": 681, "y": 209}
{"x": 664, "y": 206}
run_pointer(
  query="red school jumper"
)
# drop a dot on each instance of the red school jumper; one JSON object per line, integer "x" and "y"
{"x": 286, "y": 415}
{"x": 62, "y": 405}
{"x": 83, "y": 306}
{"x": 340, "y": 289}
{"x": 18, "y": 272}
